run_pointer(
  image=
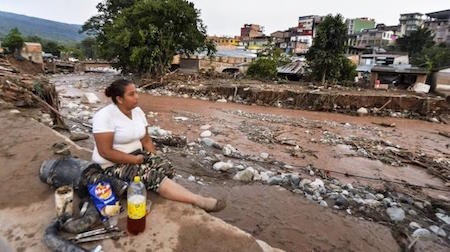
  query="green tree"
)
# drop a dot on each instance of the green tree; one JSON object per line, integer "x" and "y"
{"x": 53, "y": 47}
{"x": 89, "y": 47}
{"x": 416, "y": 41}
{"x": 34, "y": 38}
{"x": 326, "y": 57}
{"x": 432, "y": 58}
{"x": 13, "y": 41}
{"x": 143, "y": 36}
{"x": 265, "y": 67}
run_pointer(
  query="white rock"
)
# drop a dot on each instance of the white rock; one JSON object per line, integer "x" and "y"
{"x": 362, "y": 111}
{"x": 395, "y": 213}
{"x": 245, "y": 175}
{"x": 265, "y": 176}
{"x": 349, "y": 211}
{"x": 304, "y": 182}
{"x": 90, "y": 98}
{"x": 434, "y": 120}
{"x": 46, "y": 116}
{"x": 443, "y": 217}
{"x": 206, "y": 133}
{"x": 181, "y": 118}
{"x": 289, "y": 167}
{"x": 222, "y": 100}
{"x": 379, "y": 196}
{"x": 158, "y": 132}
{"x": 14, "y": 111}
{"x": 191, "y": 178}
{"x": 257, "y": 177}
{"x": 85, "y": 113}
{"x": 437, "y": 230}
{"x": 239, "y": 167}
{"x": 349, "y": 186}
{"x": 414, "y": 225}
{"x": 71, "y": 105}
{"x": 205, "y": 127}
{"x": 421, "y": 232}
{"x": 323, "y": 203}
{"x": 185, "y": 96}
{"x": 345, "y": 193}
{"x": 372, "y": 202}
{"x": 228, "y": 149}
{"x": 317, "y": 183}
{"x": 223, "y": 166}
{"x": 264, "y": 155}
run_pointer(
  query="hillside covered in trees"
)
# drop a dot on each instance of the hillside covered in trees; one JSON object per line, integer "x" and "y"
{"x": 43, "y": 28}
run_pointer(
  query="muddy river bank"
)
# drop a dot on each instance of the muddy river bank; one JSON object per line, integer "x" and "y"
{"x": 300, "y": 180}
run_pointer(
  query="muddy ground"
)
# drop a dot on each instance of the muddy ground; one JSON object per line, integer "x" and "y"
{"x": 372, "y": 163}
{"x": 27, "y": 205}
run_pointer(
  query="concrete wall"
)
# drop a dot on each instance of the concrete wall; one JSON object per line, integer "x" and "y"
{"x": 217, "y": 64}
{"x": 443, "y": 80}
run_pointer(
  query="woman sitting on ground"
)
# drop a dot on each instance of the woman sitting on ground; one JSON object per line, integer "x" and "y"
{"x": 120, "y": 132}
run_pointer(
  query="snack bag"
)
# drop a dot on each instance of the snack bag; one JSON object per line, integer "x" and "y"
{"x": 104, "y": 198}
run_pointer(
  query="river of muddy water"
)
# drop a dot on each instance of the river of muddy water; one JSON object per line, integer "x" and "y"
{"x": 284, "y": 219}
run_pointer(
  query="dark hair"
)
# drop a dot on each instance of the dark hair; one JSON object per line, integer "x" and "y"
{"x": 117, "y": 88}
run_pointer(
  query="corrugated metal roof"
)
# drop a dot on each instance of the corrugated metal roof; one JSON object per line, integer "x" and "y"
{"x": 295, "y": 67}
{"x": 390, "y": 69}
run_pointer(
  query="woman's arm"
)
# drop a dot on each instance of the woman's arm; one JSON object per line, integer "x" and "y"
{"x": 147, "y": 143}
{"x": 104, "y": 142}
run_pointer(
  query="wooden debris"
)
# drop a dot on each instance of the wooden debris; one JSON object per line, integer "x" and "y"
{"x": 26, "y": 90}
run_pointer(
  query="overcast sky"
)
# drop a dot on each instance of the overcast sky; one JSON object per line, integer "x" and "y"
{"x": 225, "y": 17}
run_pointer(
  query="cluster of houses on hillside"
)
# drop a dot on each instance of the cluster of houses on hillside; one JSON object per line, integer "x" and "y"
{"x": 367, "y": 44}
{"x": 363, "y": 33}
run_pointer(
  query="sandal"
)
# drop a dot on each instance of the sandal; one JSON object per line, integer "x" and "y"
{"x": 219, "y": 206}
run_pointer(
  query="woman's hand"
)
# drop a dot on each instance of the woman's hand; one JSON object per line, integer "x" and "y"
{"x": 138, "y": 159}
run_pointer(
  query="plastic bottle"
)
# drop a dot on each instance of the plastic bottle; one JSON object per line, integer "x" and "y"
{"x": 136, "y": 205}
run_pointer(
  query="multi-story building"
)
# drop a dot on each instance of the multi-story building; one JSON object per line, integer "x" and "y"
{"x": 356, "y": 25}
{"x": 284, "y": 41}
{"x": 250, "y": 31}
{"x": 256, "y": 44}
{"x": 439, "y": 23}
{"x": 302, "y": 37}
{"x": 410, "y": 22}
{"x": 378, "y": 37}
{"x": 225, "y": 41}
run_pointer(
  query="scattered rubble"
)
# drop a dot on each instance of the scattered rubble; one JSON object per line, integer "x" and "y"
{"x": 417, "y": 217}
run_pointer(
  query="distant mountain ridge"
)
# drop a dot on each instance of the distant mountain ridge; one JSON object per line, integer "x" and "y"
{"x": 43, "y": 28}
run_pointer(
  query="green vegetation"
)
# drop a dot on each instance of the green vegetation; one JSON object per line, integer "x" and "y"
{"x": 433, "y": 58}
{"x": 423, "y": 51}
{"x": 326, "y": 57}
{"x": 415, "y": 42}
{"x": 265, "y": 66}
{"x": 86, "y": 49}
{"x": 13, "y": 41}
{"x": 143, "y": 36}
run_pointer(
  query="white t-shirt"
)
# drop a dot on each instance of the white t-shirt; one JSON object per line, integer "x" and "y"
{"x": 127, "y": 132}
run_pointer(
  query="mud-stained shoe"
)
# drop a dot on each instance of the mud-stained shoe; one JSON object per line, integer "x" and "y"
{"x": 61, "y": 149}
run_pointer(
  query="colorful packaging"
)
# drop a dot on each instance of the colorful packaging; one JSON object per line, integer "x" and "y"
{"x": 103, "y": 197}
